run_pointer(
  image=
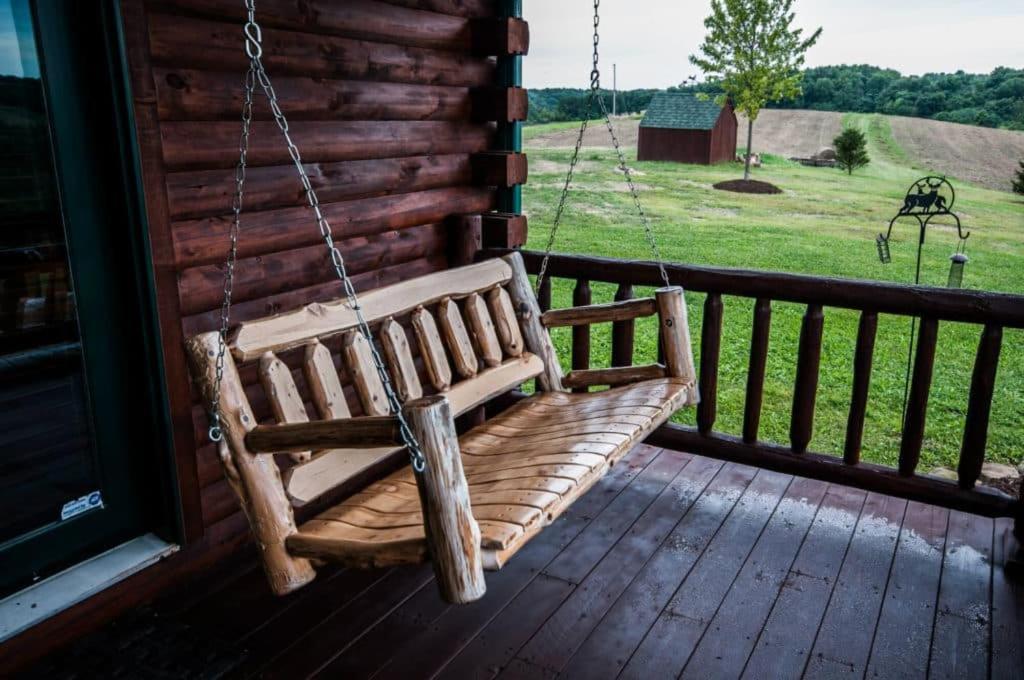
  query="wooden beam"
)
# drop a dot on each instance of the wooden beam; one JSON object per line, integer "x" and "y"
{"x": 500, "y": 37}
{"x": 862, "y": 360}
{"x": 346, "y": 433}
{"x": 917, "y": 402}
{"x": 612, "y": 377}
{"x": 504, "y": 230}
{"x": 581, "y": 297}
{"x": 465, "y": 239}
{"x": 979, "y": 406}
{"x": 808, "y": 364}
{"x": 500, "y": 104}
{"x": 710, "y": 350}
{"x": 604, "y": 313}
{"x": 499, "y": 168}
{"x": 528, "y": 314}
{"x": 758, "y": 363}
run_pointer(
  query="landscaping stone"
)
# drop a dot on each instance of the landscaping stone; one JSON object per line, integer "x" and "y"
{"x": 998, "y": 472}
{"x": 943, "y": 473}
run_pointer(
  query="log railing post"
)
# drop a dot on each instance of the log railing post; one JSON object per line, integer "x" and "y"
{"x": 862, "y": 360}
{"x": 710, "y": 349}
{"x": 453, "y": 536}
{"x": 917, "y": 403}
{"x": 801, "y": 426}
{"x": 755, "y": 375}
{"x": 581, "y": 297}
{"x": 623, "y": 331}
{"x": 979, "y": 406}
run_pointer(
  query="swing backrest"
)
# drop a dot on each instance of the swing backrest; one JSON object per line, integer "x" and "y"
{"x": 467, "y": 333}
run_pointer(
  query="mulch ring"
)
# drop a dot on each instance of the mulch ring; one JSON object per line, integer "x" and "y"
{"x": 748, "y": 186}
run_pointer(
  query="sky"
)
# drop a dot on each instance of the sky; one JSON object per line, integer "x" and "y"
{"x": 651, "y": 40}
{"x": 17, "y": 47}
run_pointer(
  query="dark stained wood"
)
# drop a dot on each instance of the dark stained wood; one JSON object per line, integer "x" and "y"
{"x": 745, "y": 609}
{"x": 963, "y": 629}
{"x": 671, "y": 563}
{"x": 459, "y": 8}
{"x": 199, "y": 242}
{"x": 153, "y": 177}
{"x": 499, "y": 168}
{"x": 500, "y": 37}
{"x": 979, "y": 406}
{"x": 190, "y": 94}
{"x": 1007, "y": 613}
{"x": 868, "y": 476}
{"x": 562, "y": 634}
{"x": 904, "y": 634}
{"x": 501, "y": 104}
{"x": 311, "y": 55}
{"x": 581, "y": 297}
{"x": 504, "y": 230}
{"x": 620, "y": 632}
{"x": 201, "y": 145}
{"x": 623, "y": 331}
{"x": 679, "y": 628}
{"x": 862, "y": 360}
{"x": 361, "y": 19}
{"x": 847, "y": 629}
{"x": 208, "y": 193}
{"x": 756, "y": 371}
{"x": 465, "y": 239}
{"x": 710, "y": 349}
{"x": 201, "y": 288}
{"x": 917, "y": 402}
{"x": 808, "y": 364}
{"x": 884, "y": 298}
{"x": 783, "y": 646}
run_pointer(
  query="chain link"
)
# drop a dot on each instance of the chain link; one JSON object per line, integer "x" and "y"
{"x": 257, "y": 74}
{"x": 595, "y": 95}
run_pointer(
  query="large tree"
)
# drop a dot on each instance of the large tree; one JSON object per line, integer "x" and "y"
{"x": 754, "y": 54}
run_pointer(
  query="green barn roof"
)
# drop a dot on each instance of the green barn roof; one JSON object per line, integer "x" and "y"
{"x": 681, "y": 111}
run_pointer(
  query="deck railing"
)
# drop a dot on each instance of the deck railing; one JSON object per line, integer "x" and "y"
{"x": 991, "y": 311}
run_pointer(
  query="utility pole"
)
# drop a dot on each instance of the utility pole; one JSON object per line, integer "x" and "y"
{"x": 615, "y": 89}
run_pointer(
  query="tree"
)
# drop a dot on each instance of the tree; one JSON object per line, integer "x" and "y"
{"x": 851, "y": 149}
{"x": 753, "y": 53}
{"x": 1018, "y": 184}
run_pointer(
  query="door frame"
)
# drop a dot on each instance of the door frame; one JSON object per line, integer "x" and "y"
{"x": 84, "y": 75}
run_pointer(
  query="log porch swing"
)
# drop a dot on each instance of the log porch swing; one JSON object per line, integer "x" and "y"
{"x": 467, "y": 503}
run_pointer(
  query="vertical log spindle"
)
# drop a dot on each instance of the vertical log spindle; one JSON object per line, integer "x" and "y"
{"x": 581, "y": 297}
{"x": 979, "y": 406}
{"x": 755, "y": 374}
{"x": 674, "y": 338}
{"x": 862, "y": 360}
{"x": 453, "y": 535}
{"x": 710, "y": 349}
{"x": 623, "y": 331}
{"x": 801, "y": 427}
{"x": 544, "y": 303}
{"x": 917, "y": 403}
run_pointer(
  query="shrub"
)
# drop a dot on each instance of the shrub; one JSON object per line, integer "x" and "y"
{"x": 851, "y": 150}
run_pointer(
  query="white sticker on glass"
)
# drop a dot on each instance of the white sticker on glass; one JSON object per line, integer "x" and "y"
{"x": 84, "y": 504}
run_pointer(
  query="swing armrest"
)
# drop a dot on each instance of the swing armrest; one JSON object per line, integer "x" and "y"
{"x": 613, "y": 377}
{"x": 345, "y": 433}
{"x": 611, "y": 311}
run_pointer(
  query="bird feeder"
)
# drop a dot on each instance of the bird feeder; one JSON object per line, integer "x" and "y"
{"x": 957, "y": 261}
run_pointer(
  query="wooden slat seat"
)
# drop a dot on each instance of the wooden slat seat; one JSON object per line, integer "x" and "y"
{"x": 572, "y": 439}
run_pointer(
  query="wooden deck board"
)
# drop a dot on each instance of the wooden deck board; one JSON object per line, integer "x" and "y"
{"x": 672, "y": 565}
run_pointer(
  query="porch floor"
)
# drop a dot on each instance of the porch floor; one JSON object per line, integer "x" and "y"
{"x": 673, "y": 565}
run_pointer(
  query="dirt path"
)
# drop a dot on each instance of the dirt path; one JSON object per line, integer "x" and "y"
{"x": 791, "y": 133}
{"x": 980, "y": 155}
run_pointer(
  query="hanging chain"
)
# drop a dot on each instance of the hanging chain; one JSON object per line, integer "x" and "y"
{"x": 254, "y": 49}
{"x": 592, "y": 96}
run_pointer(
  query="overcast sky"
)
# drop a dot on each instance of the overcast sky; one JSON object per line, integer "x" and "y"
{"x": 651, "y": 40}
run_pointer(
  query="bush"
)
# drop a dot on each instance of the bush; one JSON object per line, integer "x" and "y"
{"x": 851, "y": 150}
{"x": 1018, "y": 183}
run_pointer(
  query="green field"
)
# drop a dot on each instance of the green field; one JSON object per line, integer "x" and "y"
{"x": 824, "y": 223}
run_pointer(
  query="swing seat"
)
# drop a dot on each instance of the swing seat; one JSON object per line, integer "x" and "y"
{"x": 484, "y": 494}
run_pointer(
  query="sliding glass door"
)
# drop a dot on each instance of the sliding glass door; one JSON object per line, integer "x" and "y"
{"x": 80, "y": 435}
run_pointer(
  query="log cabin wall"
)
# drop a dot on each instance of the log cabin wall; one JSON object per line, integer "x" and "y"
{"x": 399, "y": 108}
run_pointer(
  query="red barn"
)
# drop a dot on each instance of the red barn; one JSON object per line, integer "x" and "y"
{"x": 682, "y": 128}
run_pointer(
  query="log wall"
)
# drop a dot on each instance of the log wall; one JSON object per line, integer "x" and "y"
{"x": 392, "y": 105}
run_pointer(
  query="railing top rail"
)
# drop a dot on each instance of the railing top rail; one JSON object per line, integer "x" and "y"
{"x": 970, "y": 306}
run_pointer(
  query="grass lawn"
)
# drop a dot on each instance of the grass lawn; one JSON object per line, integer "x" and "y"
{"x": 824, "y": 223}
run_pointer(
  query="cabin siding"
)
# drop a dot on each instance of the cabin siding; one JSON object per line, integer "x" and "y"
{"x": 388, "y": 102}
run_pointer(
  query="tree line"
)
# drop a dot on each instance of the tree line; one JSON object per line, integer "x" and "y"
{"x": 990, "y": 100}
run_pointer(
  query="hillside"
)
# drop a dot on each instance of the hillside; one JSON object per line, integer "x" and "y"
{"x": 983, "y": 156}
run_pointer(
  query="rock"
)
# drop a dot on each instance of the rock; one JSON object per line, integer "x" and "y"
{"x": 826, "y": 154}
{"x": 943, "y": 473}
{"x": 998, "y": 472}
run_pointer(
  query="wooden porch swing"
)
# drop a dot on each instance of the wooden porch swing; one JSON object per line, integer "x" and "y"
{"x": 467, "y": 503}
